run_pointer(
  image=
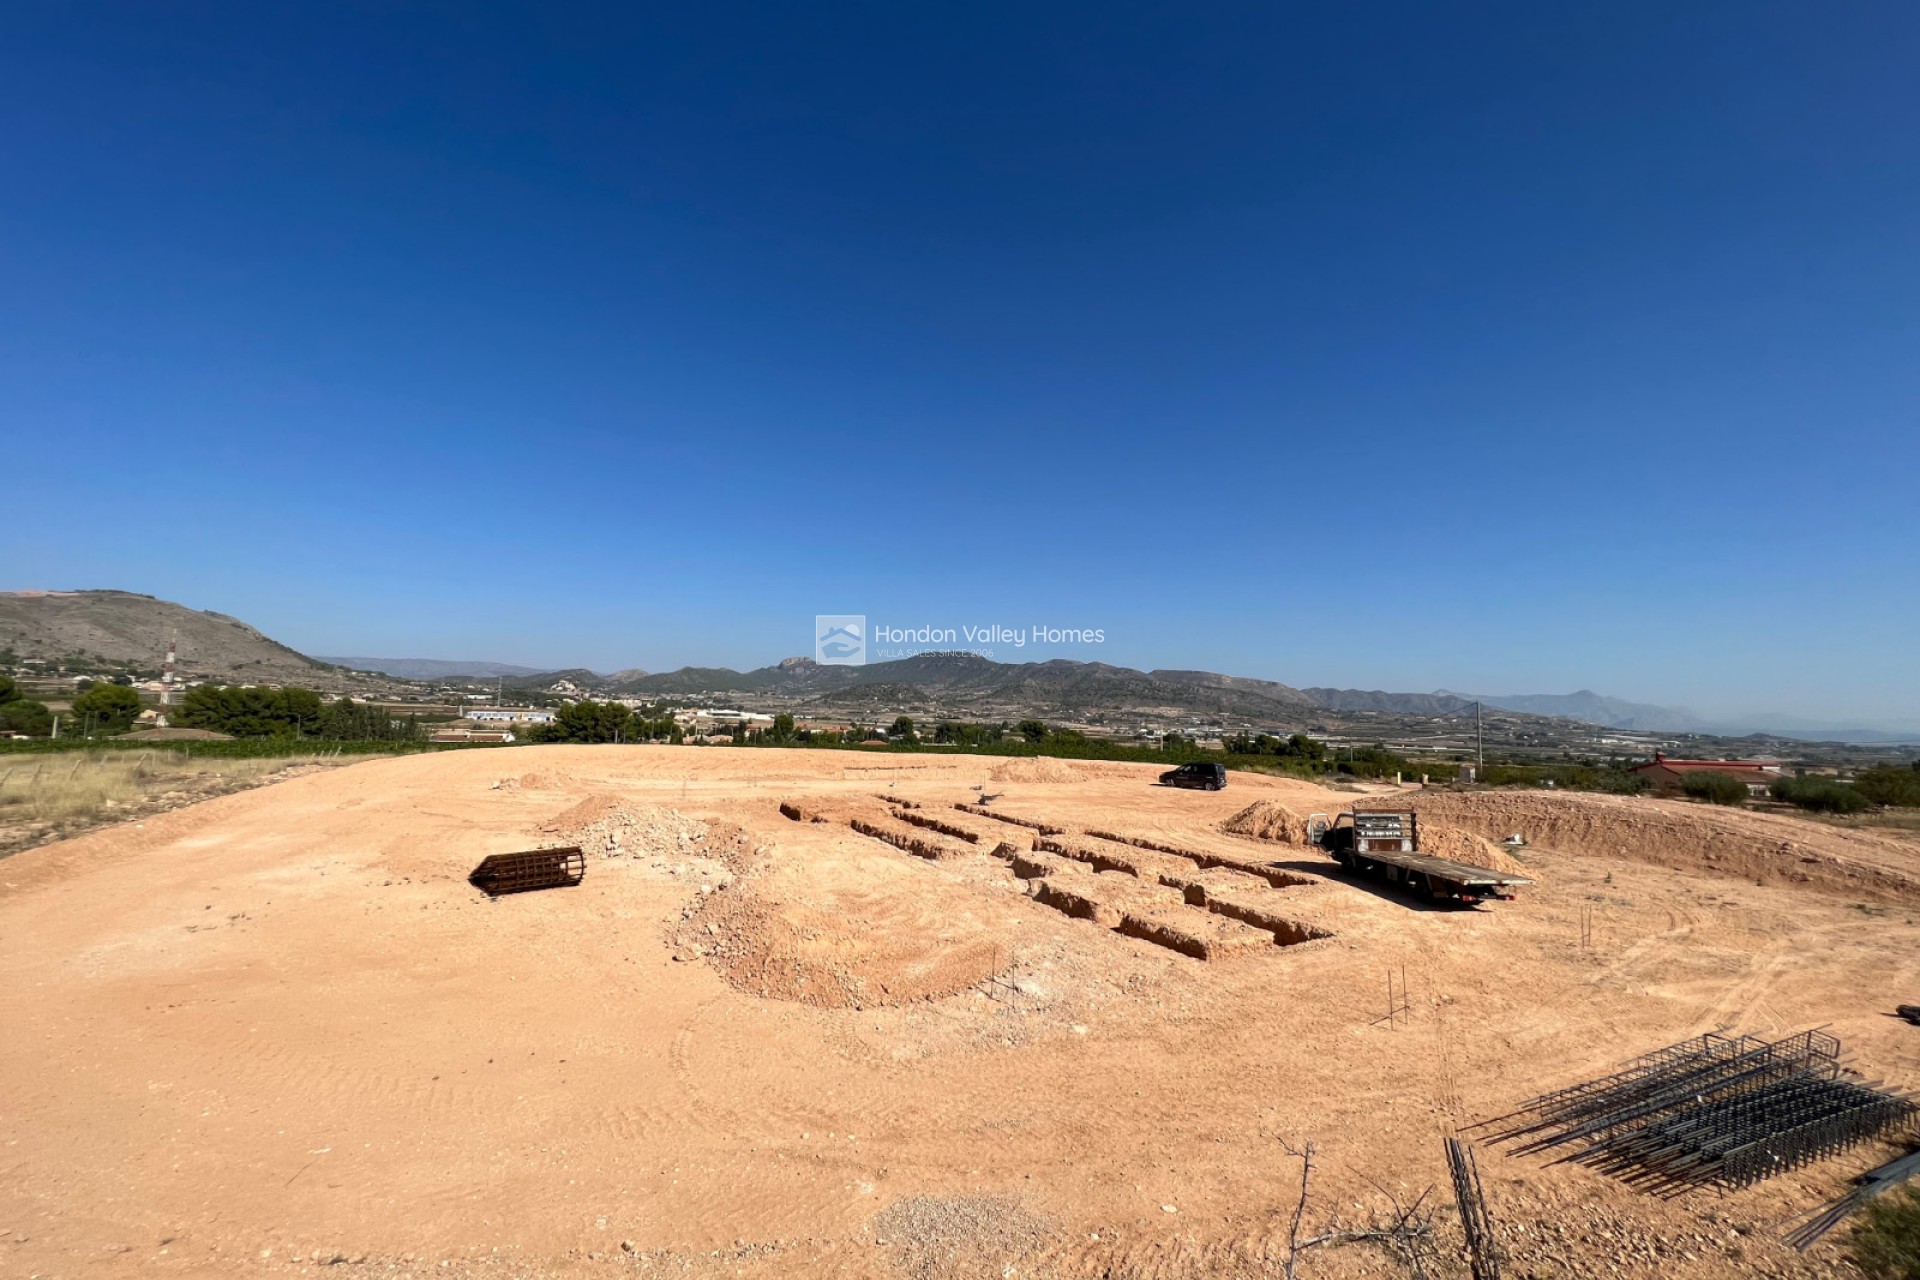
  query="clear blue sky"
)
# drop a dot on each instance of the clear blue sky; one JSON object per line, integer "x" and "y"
{"x": 1502, "y": 347}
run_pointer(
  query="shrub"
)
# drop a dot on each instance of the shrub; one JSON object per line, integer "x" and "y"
{"x": 1715, "y": 787}
{"x": 1821, "y": 795}
{"x": 1890, "y": 784}
{"x": 1620, "y": 782}
{"x": 1886, "y": 1240}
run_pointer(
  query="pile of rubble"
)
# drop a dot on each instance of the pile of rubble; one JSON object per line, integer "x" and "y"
{"x": 605, "y": 827}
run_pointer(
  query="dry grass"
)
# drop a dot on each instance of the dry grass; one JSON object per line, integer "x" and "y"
{"x": 53, "y": 797}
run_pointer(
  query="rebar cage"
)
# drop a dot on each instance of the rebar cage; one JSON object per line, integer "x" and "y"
{"x": 501, "y": 873}
{"x": 1714, "y": 1110}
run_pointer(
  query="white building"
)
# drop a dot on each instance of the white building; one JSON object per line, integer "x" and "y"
{"x": 509, "y": 715}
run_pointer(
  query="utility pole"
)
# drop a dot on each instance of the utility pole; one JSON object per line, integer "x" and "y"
{"x": 1479, "y": 744}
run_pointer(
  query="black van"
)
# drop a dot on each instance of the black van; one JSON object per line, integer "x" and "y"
{"x": 1203, "y": 777}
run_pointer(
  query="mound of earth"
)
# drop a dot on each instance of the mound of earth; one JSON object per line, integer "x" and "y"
{"x": 552, "y": 780}
{"x": 607, "y": 827}
{"x": 1760, "y": 848}
{"x": 1035, "y": 769}
{"x": 958, "y": 1237}
{"x": 1463, "y": 846}
{"x": 1268, "y": 820}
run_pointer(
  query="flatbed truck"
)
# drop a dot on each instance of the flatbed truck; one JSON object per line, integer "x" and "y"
{"x": 1384, "y": 844}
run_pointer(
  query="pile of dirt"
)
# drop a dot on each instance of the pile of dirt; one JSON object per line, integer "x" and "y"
{"x": 1463, "y": 846}
{"x": 535, "y": 781}
{"x": 1036, "y": 769}
{"x": 1268, "y": 820}
{"x": 1756, "y": 847}
{"x": 604, "y": 826}
{"x": 958, "y": 1237}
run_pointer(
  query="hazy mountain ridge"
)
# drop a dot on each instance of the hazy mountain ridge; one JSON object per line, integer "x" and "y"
{"x": 127, "y": 627}
{"x": 432, "y": 668}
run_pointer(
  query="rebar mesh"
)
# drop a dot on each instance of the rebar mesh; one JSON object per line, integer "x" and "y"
{"x": 1719, "y": 1110}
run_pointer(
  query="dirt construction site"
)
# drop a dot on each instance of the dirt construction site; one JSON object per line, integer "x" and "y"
{"x": 840, "y": 1014}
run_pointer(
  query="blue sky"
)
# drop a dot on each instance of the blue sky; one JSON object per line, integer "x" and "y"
{"x": 1509, "y": 347}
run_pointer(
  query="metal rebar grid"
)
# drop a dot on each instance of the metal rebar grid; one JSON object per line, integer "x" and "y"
{"x": 1866, "y": 1187}
{"x": 1483, "y": 1253}
{"x": 533, "y": 869}
{"x": 1713, "y": 1110}
{"x": 1725, "y": 1066}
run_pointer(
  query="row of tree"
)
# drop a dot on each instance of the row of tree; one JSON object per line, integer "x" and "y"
{"x": 1888, "y": 784}
{"x": 255, "y": 711}
{"x": 590, "y": 721}
{"x": 100, "y": 708}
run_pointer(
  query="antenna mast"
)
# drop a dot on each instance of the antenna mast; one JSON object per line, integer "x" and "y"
{"x": 170, "y": 670}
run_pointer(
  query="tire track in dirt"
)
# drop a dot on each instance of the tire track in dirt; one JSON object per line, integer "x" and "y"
{"x": 1739, "y": 1004}
{"x": 1642, "y": 956}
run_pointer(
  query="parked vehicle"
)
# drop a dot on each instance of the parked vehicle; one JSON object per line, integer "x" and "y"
{"x": 1201, "y": 777}
{"x": 1385, "y": 845}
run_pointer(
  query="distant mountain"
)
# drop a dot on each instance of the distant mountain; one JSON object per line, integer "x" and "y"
{"x": 1618, "y": 713}
{"x": 432, "y": 668}
{"x": 1804, "y": 730}
{"x": 126, "y": 628}
{"x": 1594, "y": 708}
{"x": 1420, "y": 704}
{"x": 1055, "y": 687}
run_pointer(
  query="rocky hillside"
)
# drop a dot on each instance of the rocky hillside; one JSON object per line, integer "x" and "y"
{"x": 123, "y": 628}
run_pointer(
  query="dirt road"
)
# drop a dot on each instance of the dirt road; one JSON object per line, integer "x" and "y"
{"x": 279, "y": 1032}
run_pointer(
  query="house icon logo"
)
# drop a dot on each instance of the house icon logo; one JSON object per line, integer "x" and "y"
{"x": 840, "y": 639}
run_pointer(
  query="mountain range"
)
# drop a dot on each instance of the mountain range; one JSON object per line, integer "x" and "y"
{"x": 431, "y": 668}
{"x": 133, "y": 629}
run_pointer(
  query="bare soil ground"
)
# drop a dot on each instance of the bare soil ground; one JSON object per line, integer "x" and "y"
{"x": 278, "y": 1032}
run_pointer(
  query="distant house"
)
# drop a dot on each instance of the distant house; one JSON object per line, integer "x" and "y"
{"x": 705, "y": 720}
{"x": 1666, "y": 773}
{"x": 509, "y": 715}
{"x": 471, "y": 735}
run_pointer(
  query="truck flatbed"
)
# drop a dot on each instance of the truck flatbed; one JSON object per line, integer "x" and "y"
{"x": 1460, "y": 873}
{"x": 1384, "y": 844}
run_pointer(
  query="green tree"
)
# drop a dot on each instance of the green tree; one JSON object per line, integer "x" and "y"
{"x": 1886, "y": 1238}
{"x": 8, "y": 691}
{"x": 1033, "y": 730}
{"x": 344, "y": 720}
{"x": 22, "y": 715}
{"x": 107, "y": 708}
{"x": 783, "y": 727}
{"x": 1890, "y": 784}
{"x": 251, "y": 711}
{"x": 903, "y": 730}
{"x": 1820, "y": 795}
{"x": 1301, "y": 747}
{"x": 589, "y": 721}
{"x": 1715, "y": 787}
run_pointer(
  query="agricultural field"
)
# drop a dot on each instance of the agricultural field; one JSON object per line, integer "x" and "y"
{"x": 820, "y": 1014}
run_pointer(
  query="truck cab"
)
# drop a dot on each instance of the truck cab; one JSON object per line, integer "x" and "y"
{"x": 1373, "y": 831}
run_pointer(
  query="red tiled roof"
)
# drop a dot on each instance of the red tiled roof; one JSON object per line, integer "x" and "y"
{"x": 1706, "y": 766}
